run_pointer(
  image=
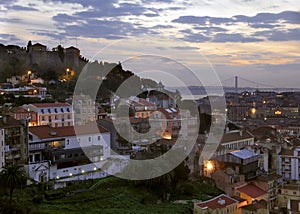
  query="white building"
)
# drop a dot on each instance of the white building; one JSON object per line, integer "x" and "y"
{"x": 52, "y": 114}
{"x": 289, "y": 163}
{"x": 67, "y": 153}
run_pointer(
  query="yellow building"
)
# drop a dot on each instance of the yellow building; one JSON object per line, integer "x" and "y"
{"x": 286, "y": 192}
{"x": 219, "y": 204}
{"x": 251, "y": 193}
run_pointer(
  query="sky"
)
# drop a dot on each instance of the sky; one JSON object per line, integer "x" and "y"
{"x": 189, "y": 42}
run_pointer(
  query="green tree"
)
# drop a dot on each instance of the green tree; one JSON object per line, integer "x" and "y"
{"x": 11, "y": 178}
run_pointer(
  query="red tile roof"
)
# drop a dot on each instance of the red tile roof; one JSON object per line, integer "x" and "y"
{"x": 49, "y": 105}
{"x": 251, "y": 190}
{"x": 44, "y": 132}
{"x": 218, "y": 202}
{"x": 141, "y": 102}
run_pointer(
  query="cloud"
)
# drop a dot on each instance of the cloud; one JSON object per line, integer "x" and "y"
{"x": 280, "y": 35}
{"x": 108, "y": 29}
{"x": 218, "y": 29}
{"x": 22, "y": 8}
{"x": 234, "y": 37}
{"x": 292, "y": 17}
{"x": 185, "y": 48}
{"x": 9, "y": 39}
{"x": 261, "y": 25}
{"x": 202, "y": 20}
{"x": 105, "y": 20}
{"x": 210, "y": 30}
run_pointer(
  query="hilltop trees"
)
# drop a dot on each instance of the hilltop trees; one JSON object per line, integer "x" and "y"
{"x": 11, "y": 178}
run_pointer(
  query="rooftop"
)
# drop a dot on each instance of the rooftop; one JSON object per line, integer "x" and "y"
{"x": 251, "y": 190}
{"x": 235, "y": 136}
{"x": 269, "y": 177}
{"x": 218, "y": 202}
{"x": 243, "y": 154}
{"x": 288, "y": 152}
{"x": 49, "y": 105}
{"x": 6, "y": 121}
{"x": 45, "y": 132}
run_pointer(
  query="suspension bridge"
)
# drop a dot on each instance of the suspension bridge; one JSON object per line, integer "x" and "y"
{"x": 239, "y": 84}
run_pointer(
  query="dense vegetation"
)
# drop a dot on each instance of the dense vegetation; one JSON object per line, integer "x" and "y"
{"x": 108, "y": 195}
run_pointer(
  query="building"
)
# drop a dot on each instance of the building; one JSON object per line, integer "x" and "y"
{"x": 219, "y": 204}
{"x": 142, "y": 108}
{"x": 175, "y": 123}
{"x": 257, "y": 207}
{"x": 84, "y": 109}
{"x": 13, "y": 142}
{"x": 251, "y": 193}
{"x": 269, "y": 183}
{"x": 289, "y": 163}
{"x": 242, "y": 162}
{"x": 293, "y": 206}
{"x": 26, "y": 91}
{"x": 67, "y": 153}
{"x": 228, "y": 180}
{"x": 237, "y": 139}
{"x": 52, "y": 114}
{"x": 19, "y": 113}
{"x": 288, "y": 192}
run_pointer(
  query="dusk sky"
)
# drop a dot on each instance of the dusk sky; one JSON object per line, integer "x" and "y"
{"x": 254, "y": 39}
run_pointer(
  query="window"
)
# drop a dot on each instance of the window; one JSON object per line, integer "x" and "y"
{"x": 62, "y": 110}
{"x": 49, "y": 111}
{"x": 42, "y": 110}
{"x": 90, "y": 139}
{"x": 62, "y": 124}
{"x": 99, "y": 138}
{"x": 43, "y": 118}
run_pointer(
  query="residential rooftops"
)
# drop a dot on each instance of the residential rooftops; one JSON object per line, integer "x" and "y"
{"x": 45, "y": 132}
{"x": 235, "y": 136}
{"x": 49, "y": 105}
{"x": 218, "y": 202}
{"x": 251, "y": 190}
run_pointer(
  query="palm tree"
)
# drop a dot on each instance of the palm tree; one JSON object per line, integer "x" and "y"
{"x": 11, "y": 178}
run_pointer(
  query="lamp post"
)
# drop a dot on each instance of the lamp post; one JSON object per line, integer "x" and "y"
{"x": 28, "y": 76}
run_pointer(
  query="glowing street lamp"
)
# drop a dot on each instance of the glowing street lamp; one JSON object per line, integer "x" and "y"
{"x": 209, "y": 166}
